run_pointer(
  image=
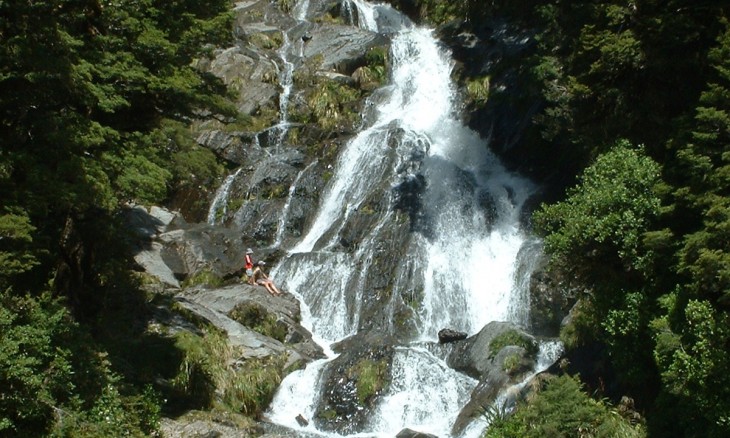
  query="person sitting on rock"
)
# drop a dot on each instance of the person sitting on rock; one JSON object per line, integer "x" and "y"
{"x": 249, "y": 266}
{"x": 260, "y": 278}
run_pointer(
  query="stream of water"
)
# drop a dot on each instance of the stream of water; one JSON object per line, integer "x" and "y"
{"x": 469, "y": 258}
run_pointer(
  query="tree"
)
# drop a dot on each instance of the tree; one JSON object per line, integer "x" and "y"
{"x": 599, "y": 227}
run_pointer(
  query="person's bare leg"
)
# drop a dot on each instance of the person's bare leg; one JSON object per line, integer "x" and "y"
{"x": 270, "y": 289}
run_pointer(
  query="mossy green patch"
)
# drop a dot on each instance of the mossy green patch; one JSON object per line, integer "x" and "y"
{"x": 369, "y": 376}
{"x": 205, "y": 277}
{"x": 258, "y": 319}
{"x": 511, "y": 337}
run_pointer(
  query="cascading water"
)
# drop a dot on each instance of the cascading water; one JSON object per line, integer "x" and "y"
{"x": 463, "y": 252}
{"x": 219, "y": 206}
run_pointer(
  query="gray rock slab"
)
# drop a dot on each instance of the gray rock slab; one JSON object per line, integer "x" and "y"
{"x": 342, "y": 47}
{"x": 151, "y": 261}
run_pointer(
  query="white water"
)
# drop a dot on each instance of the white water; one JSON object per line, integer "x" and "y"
{"x": 285, "y": 211}
{"x": 466, "y": 259}
{"x": 219, "y": 206}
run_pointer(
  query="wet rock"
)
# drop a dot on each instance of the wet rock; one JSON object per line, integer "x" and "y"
{"x": 302, "y": 421}
{"x": 449, "y": 335}
{"x": 410, "y": 433}
{"x": 353, "y": 382}
{"x": 494, "y": 357}
{"x": 476, "y": 355}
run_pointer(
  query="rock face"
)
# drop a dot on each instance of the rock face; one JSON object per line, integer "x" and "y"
{"x": 217, "y": 305}
{"x": 354, "y": 381}
{"x": 498, "y": 356}
{"x": 171, "y": 250}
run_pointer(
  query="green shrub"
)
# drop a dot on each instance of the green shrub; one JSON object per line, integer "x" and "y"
{"x": 205, "y": 277}
{"x": 258, "y": 319}
{"x": 563, "y": 409}
{"x": 250, "y": 388}
{"x": 212, "y": 375}
{"x": 511, "y": 337}
{"x": 511, "y": 363}
{"x": 478, "y": 90}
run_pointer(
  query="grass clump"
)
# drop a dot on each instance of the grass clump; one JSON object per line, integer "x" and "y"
{"x": 562, "y": 408}
{"x": 511, "y": 337}
{"x": 258, "y": 319}
{"x": 333, "y": 104}
{"x": 205, "y": 277}
{"x": 478, "y": 90}
{"x": 211, "y": 375}
{"x": 370, "y": 378}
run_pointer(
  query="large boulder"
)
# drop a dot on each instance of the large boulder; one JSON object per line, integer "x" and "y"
{"x": 499, "y": 356}
{"x": 478, "y": 356}
{"x": 250, "y": 73}
{"x": 194, "y": 249}
{"x": 353, "y": 382}
{"x": 341, "y": 48}
{"x": 226, "y": 308}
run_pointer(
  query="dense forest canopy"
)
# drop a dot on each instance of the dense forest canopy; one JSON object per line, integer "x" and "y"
{"x": 95, "y": 98}
{"x": 95, "y": 103}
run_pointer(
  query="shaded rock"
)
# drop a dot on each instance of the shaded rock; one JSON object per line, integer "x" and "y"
{"x": 248, "y": 72}
{"x": 448, "y": 335}
{"x": 203, "y": 424}
{"x": 152, "y": 262}
{"x": 233, "y": 146}
{"x": 147, "y": 224}
{"x": 551, "y": 300}
{"x": 181, "y": 428}
{"x": 148, "y": 253}
{"x": 410, "y": 433}
{"x": 201, "y": 247}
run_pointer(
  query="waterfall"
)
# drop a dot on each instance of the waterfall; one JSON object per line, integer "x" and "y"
{"x": 285, "y": 211}
{"x": 466, "y": 252}
{"x": 219, "y": 206}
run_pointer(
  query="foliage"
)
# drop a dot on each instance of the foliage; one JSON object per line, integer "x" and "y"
{"x": 646, "y": 230}
{"x": 210, "y": 366}
{"x": 511, "y": 337}
{"x": 258, "y": 319}
{"x": 92, "y": 100}
{"x": 49, "y": 370}
{"x": 601, "y": 223}
{"x": 332, "y": 105}
{"x": 561, "y": 408}
{"x": 16, "y": 255}
{"x": 370, "y": 378}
